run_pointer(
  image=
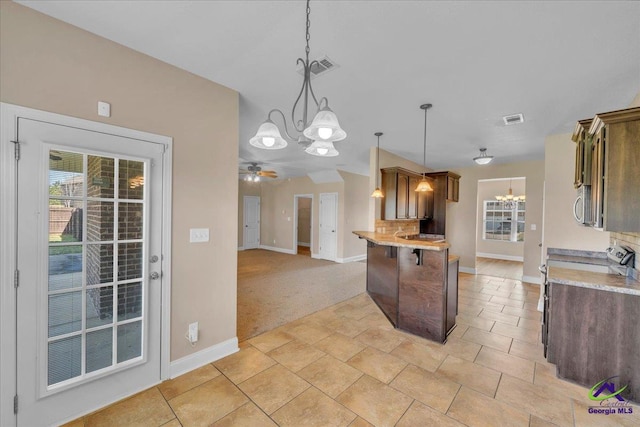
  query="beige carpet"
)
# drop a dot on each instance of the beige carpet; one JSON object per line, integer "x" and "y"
{"x": 276, "y": 288}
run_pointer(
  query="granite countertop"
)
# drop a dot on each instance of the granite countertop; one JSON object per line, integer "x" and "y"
{"x": 588, "y": 269}
{"x": 588, "y": 279}
{"x": 399, "y": 241}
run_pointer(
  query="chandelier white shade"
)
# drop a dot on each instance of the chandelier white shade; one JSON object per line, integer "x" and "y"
{"x": 317, "y": 135}
{"x": 325, "y": 127}
{"x": 483, "y": 159}
{"x": 268, "y": 137}
{"x": 322, "y": 148}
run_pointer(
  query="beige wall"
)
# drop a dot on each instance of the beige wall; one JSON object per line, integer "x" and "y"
{"x": 357, "y": 196}
{"x": 462, "y": 216}
{"x": 488, "y": 190}
{"x": 277, "y": 205}
{"x": 245, "y": 189}
{"x": 50, "y": 65}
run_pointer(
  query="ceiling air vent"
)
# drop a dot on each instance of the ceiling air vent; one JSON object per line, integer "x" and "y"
{"x": 513, "y": 119}
{"x": 323, "y": 65}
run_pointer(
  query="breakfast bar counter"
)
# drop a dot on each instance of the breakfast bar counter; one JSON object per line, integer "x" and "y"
{"x": 414, "y": 281}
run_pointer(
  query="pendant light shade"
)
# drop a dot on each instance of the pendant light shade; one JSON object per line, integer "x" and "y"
{"x": 268, "y": 137}
{"x": 325, "y": 127}
{"x": 377, "y": 193}
{"x": 322, "y": 149}
{"x": 483, "y": 159}
{"x": 424, "y": 185}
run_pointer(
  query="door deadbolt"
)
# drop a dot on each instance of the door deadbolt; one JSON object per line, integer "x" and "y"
{"x": 154, "y": 258}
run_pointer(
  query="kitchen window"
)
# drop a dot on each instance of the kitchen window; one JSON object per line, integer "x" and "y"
{"x": 503, "y": 223}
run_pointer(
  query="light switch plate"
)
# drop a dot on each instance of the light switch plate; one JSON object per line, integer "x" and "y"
{"x": 198, "y": 235}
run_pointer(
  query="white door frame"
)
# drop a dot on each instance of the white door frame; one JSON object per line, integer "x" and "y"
{"x": 244, "y": 221}
{"x": 9, "y": 114}
{"x": 295, "y": 222}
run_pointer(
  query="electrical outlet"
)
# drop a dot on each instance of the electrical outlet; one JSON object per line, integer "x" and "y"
{"x": 193, "y": 332}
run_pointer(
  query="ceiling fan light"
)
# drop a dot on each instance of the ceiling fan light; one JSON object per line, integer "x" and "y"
{"x": 377, "y": 193}
{"x": 322, "y": 149}
{"x": 325, "y": 127}
{"x": 268, "y": 137}
{"x": 424, "y": 185}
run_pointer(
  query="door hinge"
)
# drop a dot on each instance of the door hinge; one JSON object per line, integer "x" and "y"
{"x": 16, "y": 149}
{"x": 15, "y": 404}
{"x": 16, "y": 278}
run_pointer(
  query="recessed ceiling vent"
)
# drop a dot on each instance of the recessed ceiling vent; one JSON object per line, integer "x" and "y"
{"x": 322, "y": 66}
{"x": 513, "y": 119}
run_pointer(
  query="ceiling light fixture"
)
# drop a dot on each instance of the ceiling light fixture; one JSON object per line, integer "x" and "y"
{"x": 483, "y": 159}
{"x": 377, "y": 193}
{"x": 508, "y": 200}
{"x": 318, "y": 135}
{"x": 424, "y": 185}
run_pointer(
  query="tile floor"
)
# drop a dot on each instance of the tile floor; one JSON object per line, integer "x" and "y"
{"x": 346, "y": 366}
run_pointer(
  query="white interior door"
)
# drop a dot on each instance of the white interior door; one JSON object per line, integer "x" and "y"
{"x": 328, "y": 226}
{"x": 251, "y": 222}
{"x": 89, "y": 257}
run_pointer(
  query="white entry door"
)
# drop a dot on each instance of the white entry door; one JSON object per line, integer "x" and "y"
{"x": 251, "y": 222}
{"x": 328, "y": 226}
{"x": 89, "y": 258}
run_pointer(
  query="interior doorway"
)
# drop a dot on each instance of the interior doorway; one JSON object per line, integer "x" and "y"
{"x": 501, "y": 225}
{"x": 303, "y": 235}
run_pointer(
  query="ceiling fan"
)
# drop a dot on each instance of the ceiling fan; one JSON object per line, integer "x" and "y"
{"x": 254, "y": 172}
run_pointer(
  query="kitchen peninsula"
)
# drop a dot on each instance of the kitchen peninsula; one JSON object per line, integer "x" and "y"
{"x": 414, "y": 281}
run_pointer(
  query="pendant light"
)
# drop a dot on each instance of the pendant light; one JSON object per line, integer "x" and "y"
{"x": 377, "y": 193}
{"x": 483, "y": 159}
{"x": 424, "y": 185}
{"x": 317, "y": 135}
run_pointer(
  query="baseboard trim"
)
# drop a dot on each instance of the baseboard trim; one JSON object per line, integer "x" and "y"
{"x": 240, "y": 248}
{"x": 281, "y": 250}
{"x": 532, "y": 279}
{"x": 467, "y": 270}
{"x": 352, "y": 259}
{"x": 500, "y": 256}
{"x": 202, "y": 357}
{"x": 306, "y": 245}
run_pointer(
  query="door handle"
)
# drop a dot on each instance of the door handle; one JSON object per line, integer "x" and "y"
{"x": 154, "y": 275}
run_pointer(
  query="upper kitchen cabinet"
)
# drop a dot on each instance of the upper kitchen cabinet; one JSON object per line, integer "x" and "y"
{"x": 401, "y": 201}
{"x": 615, "y": 170}
{"x": 447, "y": 185}
{"x": 582, "y": 138}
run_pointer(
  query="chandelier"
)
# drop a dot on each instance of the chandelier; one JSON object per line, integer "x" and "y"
{"x": 509, "y": 201}
{"x": 424, "y": 185}
{"x": 318, "y": 135}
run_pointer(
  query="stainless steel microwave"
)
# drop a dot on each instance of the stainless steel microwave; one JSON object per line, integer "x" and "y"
{"x": 582, "y": 206}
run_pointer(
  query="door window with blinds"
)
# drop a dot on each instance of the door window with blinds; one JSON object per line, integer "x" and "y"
{"x": 95, "y": 296}
{"x": 503, "y": 222}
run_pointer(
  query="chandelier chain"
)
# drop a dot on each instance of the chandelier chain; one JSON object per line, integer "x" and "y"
{"x": 307, "y": 50}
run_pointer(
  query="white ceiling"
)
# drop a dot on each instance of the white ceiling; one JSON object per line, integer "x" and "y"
{"x": 475, "y": 61}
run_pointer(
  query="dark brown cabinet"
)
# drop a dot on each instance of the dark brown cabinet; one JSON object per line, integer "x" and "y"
{"x": 416, "y": 289}
{"x": 401, "y": 201}
{"x": 583, "y": 153}
{"x": 597, "y": 322}
{"x": 615, "y": 170}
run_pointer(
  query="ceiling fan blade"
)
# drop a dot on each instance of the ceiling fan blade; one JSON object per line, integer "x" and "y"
{"x": 269, "y": 171}
{"x": 269, "y": 175}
